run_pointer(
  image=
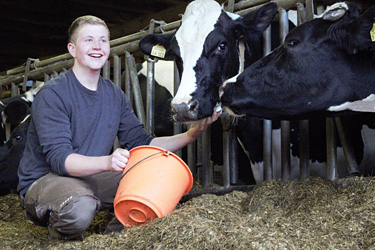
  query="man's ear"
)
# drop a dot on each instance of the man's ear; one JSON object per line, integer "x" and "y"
{"x": 72, "y": 49}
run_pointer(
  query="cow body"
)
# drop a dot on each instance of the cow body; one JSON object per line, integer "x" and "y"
{"x": 10, "y": 157}
{"x": 323, "y": 66}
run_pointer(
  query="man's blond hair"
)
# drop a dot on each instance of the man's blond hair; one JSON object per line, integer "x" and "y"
{"x": 79, "y": 22}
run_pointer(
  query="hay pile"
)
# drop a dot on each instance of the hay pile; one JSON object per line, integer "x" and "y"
{"x": 313, "y": 214}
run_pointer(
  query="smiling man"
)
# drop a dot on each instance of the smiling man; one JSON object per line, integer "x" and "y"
{"x": 67, "y": 173}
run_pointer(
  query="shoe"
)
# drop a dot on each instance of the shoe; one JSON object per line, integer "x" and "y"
{"x": 53, "y": 234}
{"x": 114, "y": 226}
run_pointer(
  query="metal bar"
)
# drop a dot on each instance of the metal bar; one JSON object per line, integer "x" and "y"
{"x": 230, "y": 6}
{"x": 127, "y": 87}
{"x": 331, "y": 149}
{"x": 347, "y": 147}
{"x": 226, "y": 159}
{"x": 191, "y": 160}
{"x": 136, "y": 89}
{"x": 46, "y": 77}
{"x": 267, "y": 124}
{"x": 150, "y": 93}
{"x": 309, "y": 9}
{"x": 285, "y": 125}
{"x": 304, "y": 149}
{"x": 106, "y": 70}
{"x": 26, "y": 76}
{"x": 14, "y": 90}
{"x": 234, "y": 172}
{"x": 199, "y": 158}
{"x": 304, "y": 142}
{"x": 206, "y": 161}
{"x": 117, "y": 70}
{"x": 150, "y": 102}
{"x": 284, "y": 4}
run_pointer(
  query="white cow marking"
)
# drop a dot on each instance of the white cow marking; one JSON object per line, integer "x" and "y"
{"x": 197, "y": 22}
{"x": 364, "y": 105}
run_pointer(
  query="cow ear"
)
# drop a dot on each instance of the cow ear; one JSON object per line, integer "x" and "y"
{"x": 338, "y": 10}
{"x": 261, "y": 18}
{"x": 157, "y": 45}
{"x": 355, "y": 34}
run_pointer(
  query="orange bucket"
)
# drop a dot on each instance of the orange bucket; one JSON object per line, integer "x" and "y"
{"x": 152, "y": 184}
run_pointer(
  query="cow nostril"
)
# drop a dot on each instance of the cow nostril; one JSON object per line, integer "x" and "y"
{"x": 193, "y": 106}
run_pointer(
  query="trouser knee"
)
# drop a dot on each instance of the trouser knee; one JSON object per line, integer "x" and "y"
{"x": 76, "y": 216}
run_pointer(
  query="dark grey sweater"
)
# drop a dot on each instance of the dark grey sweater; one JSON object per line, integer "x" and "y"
{"x": 69, "y": 118}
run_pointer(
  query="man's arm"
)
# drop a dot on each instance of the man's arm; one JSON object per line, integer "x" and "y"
{"x": 177, "y": 142}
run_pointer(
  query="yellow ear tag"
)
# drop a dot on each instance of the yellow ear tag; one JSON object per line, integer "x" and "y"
{"x": 158, "y": 51}
{"x": 372, "y": 33}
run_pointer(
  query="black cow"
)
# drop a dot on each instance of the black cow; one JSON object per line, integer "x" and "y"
{"x": 324, "y": 66}
{"x": 10, "y": 156}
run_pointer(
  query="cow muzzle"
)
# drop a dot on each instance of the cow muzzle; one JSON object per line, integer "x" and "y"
{"x": 185, "y": 112}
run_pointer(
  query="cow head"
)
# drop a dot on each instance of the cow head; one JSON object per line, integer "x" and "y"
{"x": 324, "y": 62}
{"x": 205, "y": 49}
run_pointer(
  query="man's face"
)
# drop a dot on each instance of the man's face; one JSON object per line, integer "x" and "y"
{"x": 91, "y": 47}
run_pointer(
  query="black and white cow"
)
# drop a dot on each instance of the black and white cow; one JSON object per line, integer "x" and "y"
{"x": 326, "y": 65}
{"x": 10, "y": 156}
{"x": 206, "y": 50}
{"x": 14, "y": 109}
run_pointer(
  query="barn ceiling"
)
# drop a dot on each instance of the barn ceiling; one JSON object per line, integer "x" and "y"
{"x": 38, "y": 28}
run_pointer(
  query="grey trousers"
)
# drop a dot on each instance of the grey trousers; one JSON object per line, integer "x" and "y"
{"x": 69, "y": 204}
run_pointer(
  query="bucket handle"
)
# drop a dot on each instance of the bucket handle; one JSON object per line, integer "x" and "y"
{"x": 166, "y": 152}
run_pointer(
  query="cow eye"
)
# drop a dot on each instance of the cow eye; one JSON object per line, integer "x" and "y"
{"x": 293, "y": 42}
{"x": 222, "y": 47}
{"x": 18, "y": 137}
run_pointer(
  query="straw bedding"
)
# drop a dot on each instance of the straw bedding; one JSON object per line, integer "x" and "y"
{"x": 313, "y": 214}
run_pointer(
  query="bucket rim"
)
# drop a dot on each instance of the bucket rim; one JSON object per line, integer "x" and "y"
{"x": 175, "y": 156}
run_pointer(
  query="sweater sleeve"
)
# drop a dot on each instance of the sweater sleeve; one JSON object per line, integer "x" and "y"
{"x": 53, "y": 129}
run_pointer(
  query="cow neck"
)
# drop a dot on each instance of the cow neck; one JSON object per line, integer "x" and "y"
{"x": 241, "y": 48}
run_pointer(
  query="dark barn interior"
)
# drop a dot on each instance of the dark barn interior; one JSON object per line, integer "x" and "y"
{"x": 38, "y": 29}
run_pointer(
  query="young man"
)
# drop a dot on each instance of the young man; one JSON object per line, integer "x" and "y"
{"x": 66, "y": 175}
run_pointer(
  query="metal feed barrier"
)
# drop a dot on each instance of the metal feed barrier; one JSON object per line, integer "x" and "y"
{"x": 121, "y": 59}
